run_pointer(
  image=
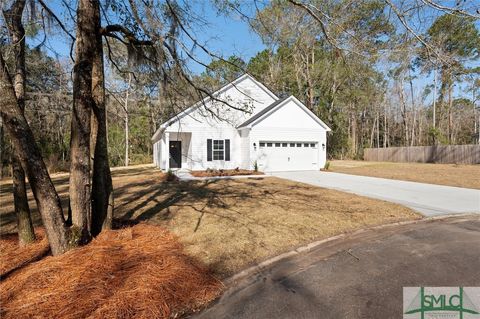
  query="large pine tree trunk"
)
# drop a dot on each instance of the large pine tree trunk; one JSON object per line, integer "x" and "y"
{"x": 47, "y": 199}
{"x": 102, "y": 188}
{"x": 13, "y": 19}
{"x": 80, "y": 194}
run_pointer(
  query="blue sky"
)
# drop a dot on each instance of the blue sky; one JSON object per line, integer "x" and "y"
{"x": 224, "y": 35}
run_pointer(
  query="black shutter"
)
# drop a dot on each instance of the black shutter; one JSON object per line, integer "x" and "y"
{"x": 227, "y": 150}
{"x": 209, "y": 150}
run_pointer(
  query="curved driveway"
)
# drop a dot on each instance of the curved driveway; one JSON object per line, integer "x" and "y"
{"x": 427, "y": 199}
{"x": 360, "y": 276}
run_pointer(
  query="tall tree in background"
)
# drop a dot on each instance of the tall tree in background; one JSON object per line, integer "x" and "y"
{"x": 13, "y": 19}
{"x": 457, "y": 42}
{"x": 224, "y": 71}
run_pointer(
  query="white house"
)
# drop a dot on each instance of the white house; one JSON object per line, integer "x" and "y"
{"x": 279, "y": 134}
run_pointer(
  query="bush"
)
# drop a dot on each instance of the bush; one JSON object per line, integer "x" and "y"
{"x": 255, "y": 166}
{"x": 171, "y": 176}
{"x": 327, "y": 165}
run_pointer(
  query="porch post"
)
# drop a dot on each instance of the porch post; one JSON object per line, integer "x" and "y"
{"x": 167, "y": 151}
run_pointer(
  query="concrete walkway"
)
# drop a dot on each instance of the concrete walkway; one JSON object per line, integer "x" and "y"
{"x": 361, "y": 275}
{"x": 427, "y": 199}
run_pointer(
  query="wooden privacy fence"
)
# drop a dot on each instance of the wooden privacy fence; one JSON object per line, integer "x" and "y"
{"x": 458, "y": 154}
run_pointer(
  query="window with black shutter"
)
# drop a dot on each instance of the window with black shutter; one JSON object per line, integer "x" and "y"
{"x": 218, "y": 150}
{"x": 209, "y": 150}
{"x": 227, "y": 150}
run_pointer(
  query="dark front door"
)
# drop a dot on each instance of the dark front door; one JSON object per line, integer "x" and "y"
{"x": 175, "y": 154}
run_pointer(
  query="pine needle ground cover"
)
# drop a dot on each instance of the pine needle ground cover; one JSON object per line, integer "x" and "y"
{"x": 135, "y": 272}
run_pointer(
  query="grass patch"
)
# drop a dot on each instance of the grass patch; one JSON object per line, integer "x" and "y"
{"x": 139, "y": 272}
{"x": 442, "y": 174}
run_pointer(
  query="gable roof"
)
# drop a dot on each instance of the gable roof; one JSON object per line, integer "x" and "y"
{"x": 262, "y": 112}
{"x": 276, "y": 105}
{"x": 208, "y": 98}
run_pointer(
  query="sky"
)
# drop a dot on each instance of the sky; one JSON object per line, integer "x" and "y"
{"x": 224, "y": 35}
{"x": 227, "y": 35}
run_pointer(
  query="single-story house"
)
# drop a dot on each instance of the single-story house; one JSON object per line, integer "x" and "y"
{"x": 244, "y": 125}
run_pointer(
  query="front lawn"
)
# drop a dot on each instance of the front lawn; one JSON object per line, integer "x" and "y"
{"x": 231, "y": 224}
{"x": 442, "y": 174}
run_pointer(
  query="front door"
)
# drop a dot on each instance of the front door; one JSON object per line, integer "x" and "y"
{"x": 175, "y": 154}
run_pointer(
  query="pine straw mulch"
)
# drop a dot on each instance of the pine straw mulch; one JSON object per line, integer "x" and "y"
{"x": 135, "y": 272}
{"x": 13, "y": 257}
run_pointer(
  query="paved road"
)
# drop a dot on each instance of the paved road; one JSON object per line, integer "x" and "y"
{"x": 427, "y": 199}
{"x": 360, "y": 276}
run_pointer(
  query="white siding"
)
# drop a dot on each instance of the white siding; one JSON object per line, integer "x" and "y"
{"x": 198, "y": 151}
{"x": 289, "y": 115}
{"x": 245, "y": 95}
{"x": 245, "y": 148}
{"x": 289, "y": 123}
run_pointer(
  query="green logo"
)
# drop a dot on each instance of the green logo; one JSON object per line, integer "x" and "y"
{"x": 441, "y": 302}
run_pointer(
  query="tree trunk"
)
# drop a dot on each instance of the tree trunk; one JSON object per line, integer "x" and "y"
{"x": 125, "y": 108}
{"x": 412, "y": 139}
{"x": 434, "y": 97}
{"x": 450, "y": 116}
{"x": 48, "y": 202}
{"x": 13, "y": 19}
{"x": 404, "y": 112}
{"x": 80, "y": 195}
{"x": 2, "y": 147}
{"x": 102, "y": 188}
{"x": 385, "y": 125}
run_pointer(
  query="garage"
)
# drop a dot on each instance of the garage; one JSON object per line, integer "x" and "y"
{"x": 287, "y": 155}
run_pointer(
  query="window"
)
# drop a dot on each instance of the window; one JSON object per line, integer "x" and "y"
{"x": 305, "y": 145}
{"x": 269, "y": 144}
{"x": 299, "y": 144}
{"x": 284, "y": 144}
{"x": 262, "y": 144}
{"x": 292, "y": 144}
{"x": 277, "y": 144}
{"x": 312, "y": 144}
{"x": 218, "y": 150}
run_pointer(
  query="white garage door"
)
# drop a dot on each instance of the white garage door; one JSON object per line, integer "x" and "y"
{"x": 287, "y": 156}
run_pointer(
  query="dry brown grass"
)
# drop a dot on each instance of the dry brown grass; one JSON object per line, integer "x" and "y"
{"x": 231, "y": 224}
{"x": 225, "y": 172}
{"x": 442, "y": 174}
{"x": 136, "y": 272}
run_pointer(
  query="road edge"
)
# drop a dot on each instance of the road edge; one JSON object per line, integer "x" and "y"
{"x": 258, "y": 268}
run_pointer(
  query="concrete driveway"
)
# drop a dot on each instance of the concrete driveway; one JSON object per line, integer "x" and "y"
{"x": 360, "y": 276}
{"x": 427, "y": 199}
